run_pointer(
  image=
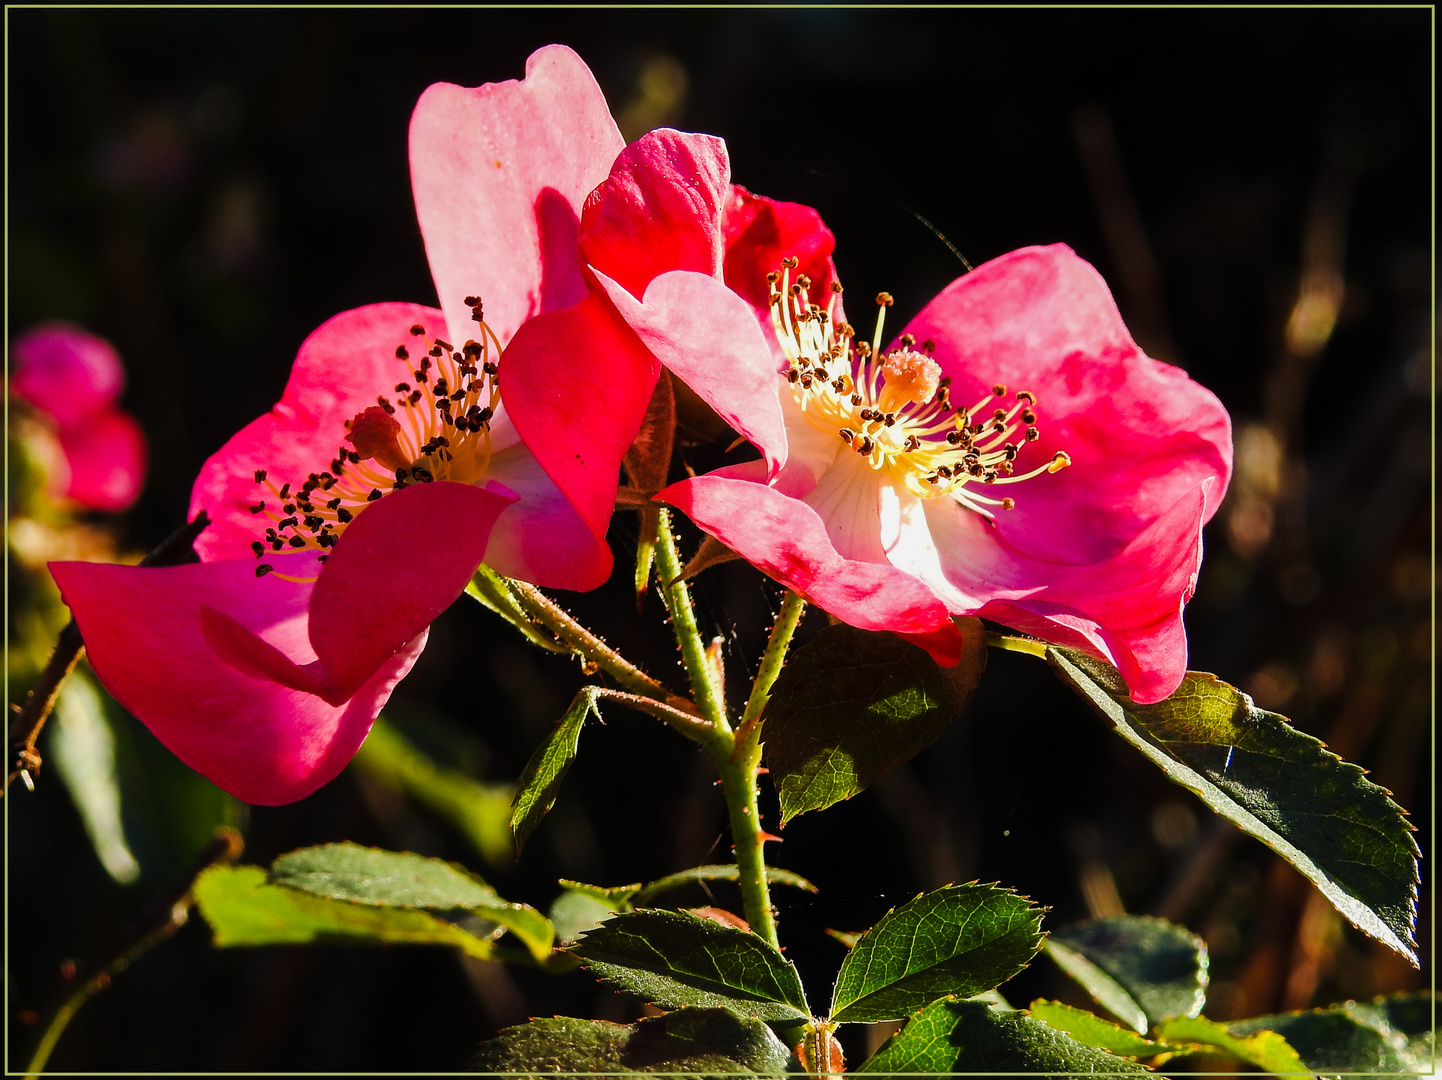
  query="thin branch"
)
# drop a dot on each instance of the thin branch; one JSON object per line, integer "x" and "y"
{"x": 158, "y": 921}
{"x": 688, "y": 724}
{"x": 772, "y": 660}
{"x": 69, "y": 648}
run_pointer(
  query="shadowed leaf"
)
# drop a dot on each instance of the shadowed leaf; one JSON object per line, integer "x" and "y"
{"x": 1276, "y": 783}
{"x": 674, "y": 959}
{"x": 1387, "y": 1035}
{"x": 540, "y": 782}
{"x": 852, "y": 703}
{"x": 1142, "y": 969}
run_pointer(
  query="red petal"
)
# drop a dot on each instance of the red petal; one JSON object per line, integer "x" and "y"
{"x": 66, "y": 371}
{"x": 786, "y": 539}
{"x": 499, "y": 174}
{"x": 398, "y": 565}
{"x": 760, "y": 232}
{"x": 106, "y": 454}
{"x": 576, "y": 383}
{"x": 659, "y": 210}
{"x": 261, "y": 741}
{"x": 708, "y": 337}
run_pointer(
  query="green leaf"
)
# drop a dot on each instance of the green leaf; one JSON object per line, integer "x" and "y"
{"x": 675, "y": 959}
{"x": 1267, "y": 1050}
{"x": 82, "y": 748}
{"x": 1276, "y": 783}
{"x": 852, "y": 703}
{"x": 243, "y": 909}
{"x": 1387, "y": 1035}
{"x": 729, "y": 872}
{"x": 481, "y": 811}
{"x": 1141, "y": 968}
{"x": 961, "y": 939}
{"x": 1089, "y": 1028}
{"x": 349, "y": 871}
{"x": 691, "y": 1042}
{"x": 951, "y": 1036}
{"x": 365, "y": 875}
{"x": 540, "y": 782}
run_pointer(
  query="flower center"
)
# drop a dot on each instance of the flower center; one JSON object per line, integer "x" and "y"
{"x": 894, "y": 408}
{"x": 437, "y": 426}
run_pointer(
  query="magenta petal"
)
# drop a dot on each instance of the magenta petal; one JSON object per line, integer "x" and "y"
{"x": 707, "y": 336}
{"x": 760, "y": 232}
{"x": 576, "y": 384}
{"x": 261, "y": 741}
{"x": 499, "y": 174}
{"x": 66, "y": 371}
{"x": 787, "y": 540}
{"x": 398, "y": 565}
{"x": 659, "y": 210}
{"x": 340, "y": 369}
{"x": 106, "y": 455}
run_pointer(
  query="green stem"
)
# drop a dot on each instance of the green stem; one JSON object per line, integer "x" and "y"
{"x": 688, "y": 724}
{"x": 1016, "y": 644}
{"x": 580, "y": 640}
{"x": 772, "y": 660}
{"x": 738, "y": 785}
{"x": 683, "y": 625}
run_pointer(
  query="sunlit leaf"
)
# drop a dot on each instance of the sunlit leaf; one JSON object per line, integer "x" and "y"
{"x": 1267, "y": 1050}
{"x": 242, "y": 909}
{"x": 1276, "y": 783}
{"x": 674, "y": 959}
{"x": 1388, "y": 1035}
{"x": 951, "y": 1036}
{"x": 852, "y": 703}
{"x": 1091, "y": 1029}
{"x": 1142, "y": 969}
{"x": 961, "y": 939}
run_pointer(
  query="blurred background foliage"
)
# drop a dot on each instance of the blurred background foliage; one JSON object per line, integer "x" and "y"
{"x": 205, "y": 187}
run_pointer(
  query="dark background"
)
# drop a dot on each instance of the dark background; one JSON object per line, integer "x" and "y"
{"x": 206, "y": 187}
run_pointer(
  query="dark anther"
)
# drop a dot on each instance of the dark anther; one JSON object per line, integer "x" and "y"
{"x": 415, "y": 397}
{"x": 907, "y": 341}
{"x": 443, "y": 345}
{"x": 401, "y": 475}
{"x": 793, "y": 376}
{"x": 290, "y": 522}
{"x": 953, "y": 437}
{"x": 277, "y": 544}
{"x": 999, "y": 390}
{"x": 297, "y": 541}
{"x": 927, "y": 346}
{"x": 944, "y": 472}
{"x": 422, "y": 474}
{"x": 313, "y": 523}
{"x": 1028, "y": 417}
{"x": 1032, "y": 434}
{"x": 418, "y": 330}
{"x": 885, "y": 299}
{"x": 866, "y": 446}
{"x": 285, "y": 491}
{"x": 263, "y": 569}
{"x": 791, "y": 262}
{"x": 471, "y": 301}
{"x": 402, "y": 353}
{"x": 441, "y": 389}
{"x": 257, "y": 508}
{"x": 485, "y": 414}
{"x": 289, "y": 508}
{"x": 1010, "y": 452}
{"x": 490, "y": 367}
{"x": 847, "y": 435}
{"x": 343, "y": 515}
{"x": 890, "y": 419}
{"x": 374, "y": 495}
{"x": 403, "y": 388}
{"x": 257, "y": 547}
{"x": 856, "y": 399}
{"x": 334, "y": 504}
{"x": 260, "y": 476}
{"x": 1008, "y": 504}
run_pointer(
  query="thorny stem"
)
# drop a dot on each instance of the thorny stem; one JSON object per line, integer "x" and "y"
{"x": 575, "y": 636}
{"x": 1016, "y": 644}
{"x": 160, "y": 920}
{"x": 772, "y": 660}
{"x": 688, "y": 724}
{"x": 736, "y": 757}
{"x": 683, "y": 624}
{"x": 69, "y": 648}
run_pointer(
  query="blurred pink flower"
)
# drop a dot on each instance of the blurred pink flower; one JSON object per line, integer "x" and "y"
{"x": 74, "y": 378}
{"x": 1013, "y": 454}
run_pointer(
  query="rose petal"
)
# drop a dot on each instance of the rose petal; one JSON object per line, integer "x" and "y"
{"x": 1140, "y": 434}
{"x": 340, "y": 369}
{"x": 499, "y": 174}
{"x": 261, "y": 741}
{"x": 658, "y": 210}
{"x": 707, "y": 336}
{"x": 398, "y": 565}
{"x": 760, "y": 232}
{"x": 788, "y": 541}
{"x": 576, "y": 383}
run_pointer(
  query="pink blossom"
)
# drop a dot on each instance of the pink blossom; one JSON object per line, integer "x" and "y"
{"x": 74, "y": 378}
{"x": 411, "y": 442}
{"x": 1067, "y": 500}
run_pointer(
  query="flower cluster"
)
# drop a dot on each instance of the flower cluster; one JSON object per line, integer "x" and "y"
{"x": 1012, "y": 454}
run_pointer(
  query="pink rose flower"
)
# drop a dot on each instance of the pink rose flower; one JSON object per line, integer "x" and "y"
{"x": 74, "y": 378}
{"x": 411, "y": 443}
{"x": 1013, "y": 455}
